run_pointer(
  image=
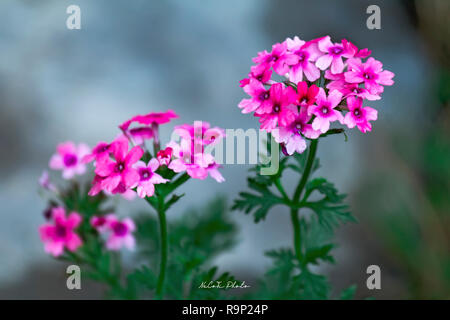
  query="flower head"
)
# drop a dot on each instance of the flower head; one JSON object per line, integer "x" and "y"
{"x": 68, "y": 158}
{"x": 60, "y": 234}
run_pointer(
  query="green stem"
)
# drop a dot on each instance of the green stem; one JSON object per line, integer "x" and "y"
{"x": 296, "y": 198}
{"x": 164, "y": 249}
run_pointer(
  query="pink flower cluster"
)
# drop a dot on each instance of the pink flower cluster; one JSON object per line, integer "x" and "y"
{"x": 60, "y": 233}
{"x": 323, "y": 82}
{"x": 189, "y": 153}
{"x": 119, "y": 233}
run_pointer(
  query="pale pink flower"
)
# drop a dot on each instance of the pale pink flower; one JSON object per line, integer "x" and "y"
{"x": 60, "y": 234}
{"x": 279, "y": 58}
{"x": 148, "y": 178}
{"x": 119, "y": 175}
{"x": 307, "y": 53}
{"x": 358, "y": 115}
{"x": 119, "y": 233}
{"x": 68, "y": 159}
{"x": 370, "y": 73}
{"x": 44, "y": 182}
{"x": 333, "y": 54}
{"x": 324, "y": 110}
{"x": 213, "y": 171}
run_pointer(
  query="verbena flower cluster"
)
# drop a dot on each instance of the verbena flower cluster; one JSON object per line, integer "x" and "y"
{"x": 127, "y": 167}
{"x": 324, "y": 82}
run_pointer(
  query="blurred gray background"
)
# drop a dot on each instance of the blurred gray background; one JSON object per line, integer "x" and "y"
{"x": 140, "y": 56}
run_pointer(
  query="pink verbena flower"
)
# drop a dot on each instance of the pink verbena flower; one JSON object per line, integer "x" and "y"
{"x": 164, "y": 156}
{"x": 279, "y": 58}
{"x": 259, "y": 97}
{"x": 103, "y": 149}
{"x": 277, "y": 112}
{"x": 260, "y": 73}
{"x": 68, "y": 159}
{"x": 370, "y": 73}
{"x": 60, "y": 234}
{"x": 292, "y": 134}
{"x": 119, "y": 233}
{"x": 119, "y": 175}
{"x": 184, "y": 159}
{"x": 148, "y": 178}
{"x": 306, "y": 96}
{"x": 189, "y": 154}
{"x": 353, "y": 50}
{"x": 333, "y": 54}
{"x": 358, "y": 115}
{"x": 324, "y": 110}
{"x": 150, "y": 118}
{"x": 307, "y": 53}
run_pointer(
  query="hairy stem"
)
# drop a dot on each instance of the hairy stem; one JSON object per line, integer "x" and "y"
{"x": 296, "y": 198}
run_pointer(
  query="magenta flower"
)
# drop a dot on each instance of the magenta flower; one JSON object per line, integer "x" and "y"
{"x": 333, "y": 53}
{"x": 99, "y": 223}
{"x": 277, "y": 112}
{"x": 307, "y": 53}
{"x": 358, "y": 115}
{"x": 292, "y": 134}
{"x": 325, "y": 111}
{"x": 306, "y": 96}
{"x": 279, "y": 58}
{"x": 68, "y": 159}
{"x": 260, "y": 73}
{"x": 140, "y": 134}
{"x": 119, "y": 175}
{"x": 148, "y": 178}
{"x": 164, "y": 156}
{"x": 60, "y": 234}
{"x": 353, "y": 50}
{"x": 259, "y": 97}
{"x": 150, "y": 118}
{"x": 370, "y": 73}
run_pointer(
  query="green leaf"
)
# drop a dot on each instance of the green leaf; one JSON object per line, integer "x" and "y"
{"x": 313, "y": 255}
{"x": 313, "y": 286}
{"x": 349, "y": 293}
{"x": 330, "y": 209}
{"x": 259, "y": 202}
